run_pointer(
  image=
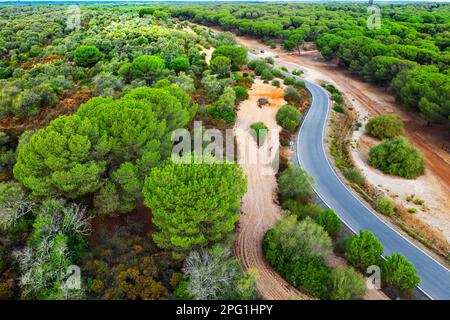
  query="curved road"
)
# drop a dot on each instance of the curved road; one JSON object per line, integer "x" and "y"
{"x": 310, "y": 153}
{"x": 435, "y": 278}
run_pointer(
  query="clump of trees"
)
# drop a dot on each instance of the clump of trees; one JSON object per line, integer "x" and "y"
{"x": 288, "y": 117}
{"x": 105, "y": 149}
{"x": 410, "y": 54}
{"x": 364, "y": 250}
{"x": 297, "y": 250}
{"x": 385, "y": 126}
{"x": 396, "y": 156}
{"x": 236, "y": 54}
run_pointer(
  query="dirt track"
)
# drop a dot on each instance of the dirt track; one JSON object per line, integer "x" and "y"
{"x": 259, "y": 210}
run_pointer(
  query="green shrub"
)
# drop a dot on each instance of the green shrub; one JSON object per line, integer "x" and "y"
{"x": 289, "y": 81}
{"x": 221, "y": 66}
{"x": 364, "y": 250}
{"x": 396, "y": 156}
{"x": 337, "y": 97}
{"x": 267, "y": 75}
{"x": 397, "y": 271}
{"x": 329, "y": 220}
{"x": 339, "y": 108}
{"x": 385, "y": 126}
{"x": 86, "y": 56}
{"x": 276, "y": 83}
{"x": 412, "y": 210}
{"x": 241, "y": 93}
{"x": 354, "y": 175}
{"x": 300, "y": 84}
{"x": 346, "y": 284}
{"x": 288, "y": 117}
{"x": 309, "y": 274}
{"x": 295, "y": 183}
{"x": 296, "y": 250}
{"x": 291, "y": 95}
{"x": 179, "y": 64}
{"x": 385, "y": 206}
{"x": 259, "y": 132}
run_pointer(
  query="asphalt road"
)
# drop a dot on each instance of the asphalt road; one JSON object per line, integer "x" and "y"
{"x": 310, "y": 153}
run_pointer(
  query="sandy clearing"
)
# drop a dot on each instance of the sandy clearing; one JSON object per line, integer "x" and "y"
{"x": 259, "y": 212}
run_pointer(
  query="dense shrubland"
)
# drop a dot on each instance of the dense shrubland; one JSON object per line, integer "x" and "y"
{"x": 409, "y": 53}
{"x": 74, "y": 185}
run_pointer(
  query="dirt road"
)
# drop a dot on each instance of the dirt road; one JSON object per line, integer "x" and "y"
{"x": 369, "y": 100}
{"x": 259, "y": 211}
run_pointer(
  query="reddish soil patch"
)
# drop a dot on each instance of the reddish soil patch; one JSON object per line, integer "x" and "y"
{"x": 69, "y": 104}
{"x": 110, "y": 224}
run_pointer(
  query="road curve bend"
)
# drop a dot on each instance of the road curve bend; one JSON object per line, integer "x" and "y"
{"x": 311, "y": 155}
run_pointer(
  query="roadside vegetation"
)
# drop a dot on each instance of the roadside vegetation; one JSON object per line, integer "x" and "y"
{"x": 298, "y": 245}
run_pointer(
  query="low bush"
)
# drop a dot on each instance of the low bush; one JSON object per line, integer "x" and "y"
{"x": 302, "y": 210}
{"x": 291, "y": 95}
{"x": 397, "y": 271}
{"x": 385, "y": 126}
{"x": 396, "y": 156}
{"x": 259, "y": 132}
{"x": 346, "y": 284}
{"x": 385, "y": 206}
{"x": 241, "y": 93}
{"x": 289, "y": 81}
{"x": 354, "y": 175}
{"x": 295, "y": 183}
{"x": 267, "y": 75}
{"x": 288, "y": 117}
{"x": 276, "y": 83}
{"x": 339, "y": 108}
